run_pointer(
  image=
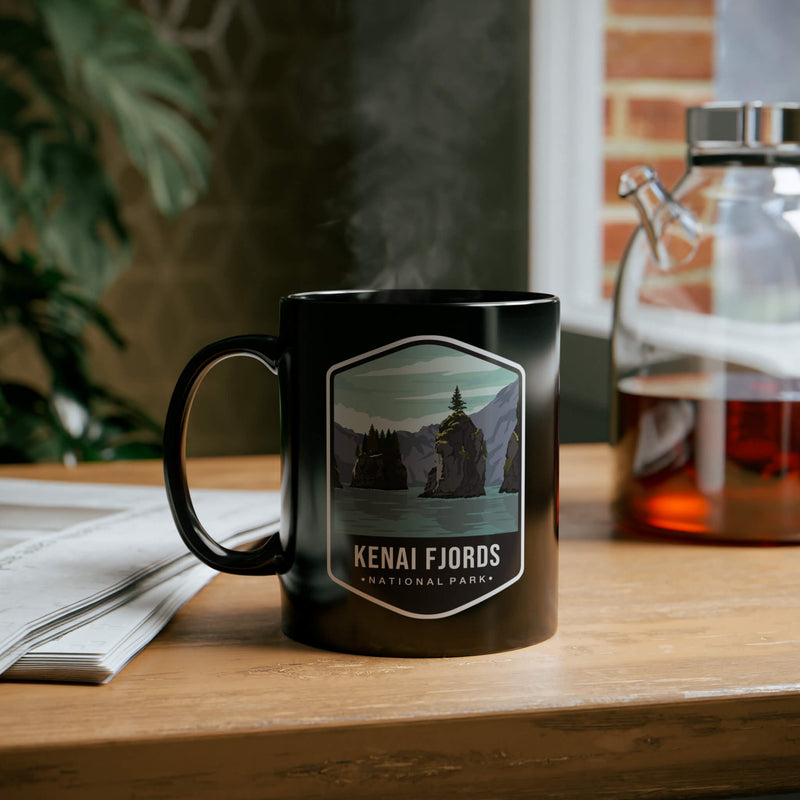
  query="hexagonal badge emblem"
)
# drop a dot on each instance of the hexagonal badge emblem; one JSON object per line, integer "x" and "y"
{"x": 425, "y": 475}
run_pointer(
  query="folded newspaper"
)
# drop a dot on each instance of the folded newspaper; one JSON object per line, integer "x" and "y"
{"x": 89, "y": 573}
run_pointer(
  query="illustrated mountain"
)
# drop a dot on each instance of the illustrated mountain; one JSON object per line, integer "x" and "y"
{"x": 459, "y": 457}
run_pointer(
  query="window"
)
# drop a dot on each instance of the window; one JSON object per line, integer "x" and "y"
{"x": 566, "y": 159}
{"x": 611, "y": 81}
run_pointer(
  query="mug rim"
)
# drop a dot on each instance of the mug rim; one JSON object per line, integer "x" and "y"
{"x": 442, "y": 297}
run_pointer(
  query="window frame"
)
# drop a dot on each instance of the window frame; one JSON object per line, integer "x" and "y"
{"x": 567, "y": 68}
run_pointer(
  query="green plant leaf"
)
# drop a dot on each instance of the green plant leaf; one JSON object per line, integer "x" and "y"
{"x": 43, "y": 303}
{"x": 37, "y": 77}
{"x": 21, "y": 39}
{"x": 12, "y": 104}
{"x": 28, "y": 432}
{"x": 9, "y": 207}
{"x": 147, "y": 85}
{"x": 74, "y": 211}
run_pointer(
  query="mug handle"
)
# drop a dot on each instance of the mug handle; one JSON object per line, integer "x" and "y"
{"x": 265, "y": 560}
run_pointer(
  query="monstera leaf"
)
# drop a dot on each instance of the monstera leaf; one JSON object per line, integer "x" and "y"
{"x": 110, "y": 53}
{"x": 79, "y": 62}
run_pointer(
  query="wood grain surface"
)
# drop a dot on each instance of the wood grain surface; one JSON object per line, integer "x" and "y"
{"x": 675, "y": 673}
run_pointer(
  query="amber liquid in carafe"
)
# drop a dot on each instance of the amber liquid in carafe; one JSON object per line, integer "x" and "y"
{"x": 709, "y": 457}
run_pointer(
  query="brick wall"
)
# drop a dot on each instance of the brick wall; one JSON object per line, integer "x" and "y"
{"x": 659, "y": 61}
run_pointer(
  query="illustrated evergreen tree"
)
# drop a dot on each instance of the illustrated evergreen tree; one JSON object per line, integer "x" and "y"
{"x": 379, "y": 462}
{"x": 457, "y": 404}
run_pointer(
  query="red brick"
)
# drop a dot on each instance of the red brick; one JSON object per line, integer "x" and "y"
{"x": 663, "y": 8}
{"x": 668, "y": 169}
{"x": 615, "y": 239}
{"x": 694, "y": 271}
{"x": 703, "y": 258}
{"x": 657, "y": 118}
{"x": 689, "y": 296}
{"x": 659, "y": 54}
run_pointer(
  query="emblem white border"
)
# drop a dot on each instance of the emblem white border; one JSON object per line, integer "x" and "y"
{"x": 489, "y": 356}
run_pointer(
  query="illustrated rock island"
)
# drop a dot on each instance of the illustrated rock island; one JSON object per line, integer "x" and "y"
{"x": 459, "y": 456}
{"x": 378, "y": 462}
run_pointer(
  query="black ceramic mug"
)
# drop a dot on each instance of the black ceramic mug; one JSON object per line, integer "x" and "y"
{"x": 419, "y": 450}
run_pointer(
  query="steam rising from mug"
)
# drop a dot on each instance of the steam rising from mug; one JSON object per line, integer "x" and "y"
{"x": 438, "y": 179}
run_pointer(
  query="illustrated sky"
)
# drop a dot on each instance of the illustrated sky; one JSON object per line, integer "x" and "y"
{"x": 413, "y": 387}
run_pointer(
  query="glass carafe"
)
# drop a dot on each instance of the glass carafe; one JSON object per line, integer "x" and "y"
{"x": 706, "y": 339}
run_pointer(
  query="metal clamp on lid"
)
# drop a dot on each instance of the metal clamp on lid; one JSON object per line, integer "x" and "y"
{"x": 736, "y": 126}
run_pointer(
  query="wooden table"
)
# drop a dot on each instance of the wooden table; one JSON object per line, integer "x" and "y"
{"x": 675, "y": 673}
